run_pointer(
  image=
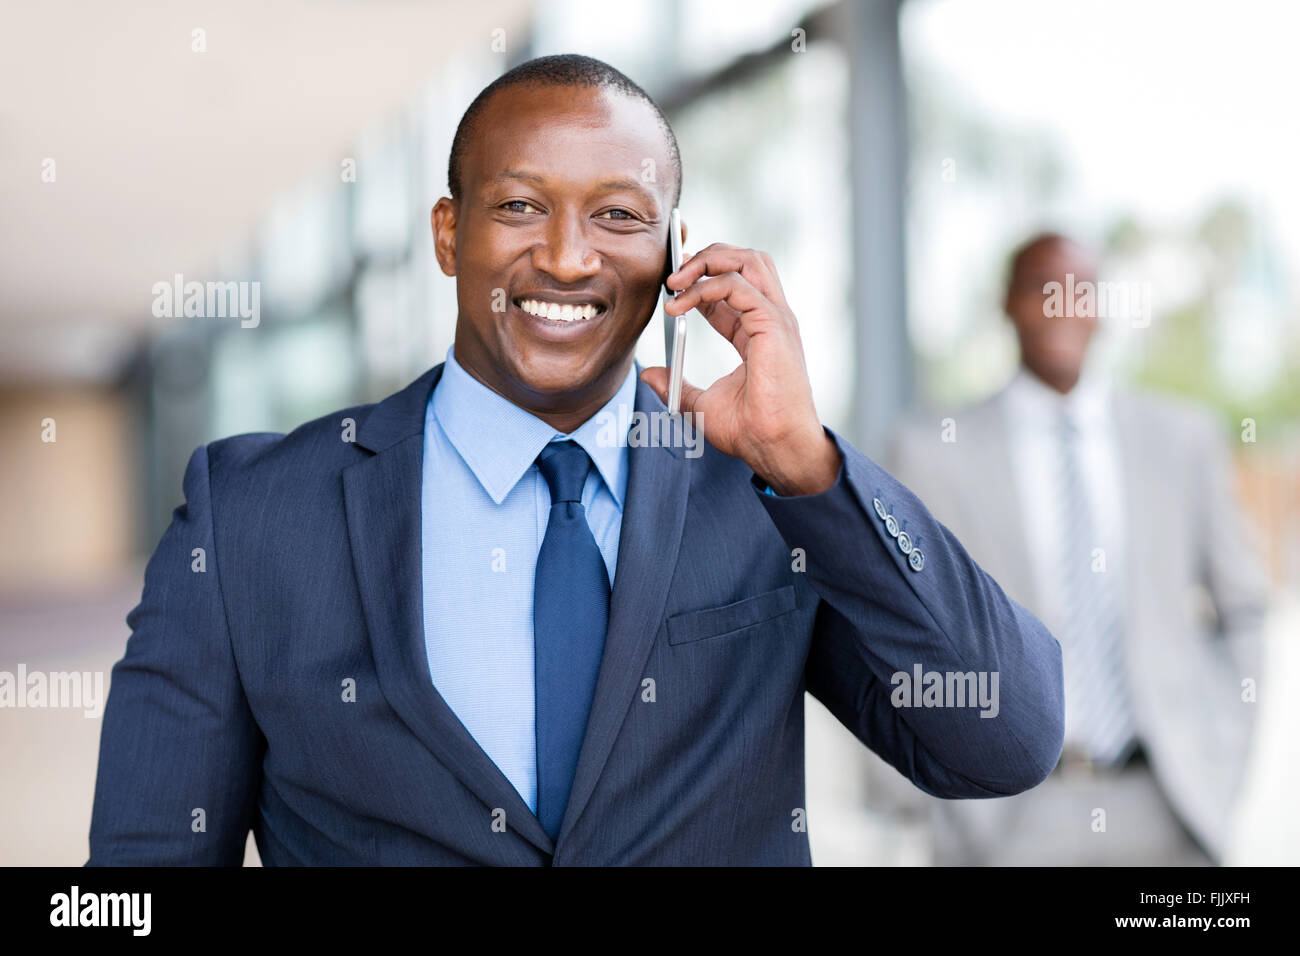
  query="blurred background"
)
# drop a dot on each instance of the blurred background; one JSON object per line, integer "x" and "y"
{"x": 887, "y": 153}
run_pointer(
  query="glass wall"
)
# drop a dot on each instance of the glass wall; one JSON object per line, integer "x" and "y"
{"x": 354, "y": 305}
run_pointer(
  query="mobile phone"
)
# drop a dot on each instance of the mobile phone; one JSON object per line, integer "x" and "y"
{"x": 674, "y": 326}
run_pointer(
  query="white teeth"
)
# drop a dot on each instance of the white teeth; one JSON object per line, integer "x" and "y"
{"x": 557, "y": 312}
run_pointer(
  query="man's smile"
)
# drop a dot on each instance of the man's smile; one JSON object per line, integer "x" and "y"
{"x": 559, "y": 316}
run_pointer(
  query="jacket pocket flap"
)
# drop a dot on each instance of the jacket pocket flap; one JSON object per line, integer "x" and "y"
{"x": 717, "y": 621}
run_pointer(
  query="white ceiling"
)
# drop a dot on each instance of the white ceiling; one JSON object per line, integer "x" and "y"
{"x": 165, "y": 157}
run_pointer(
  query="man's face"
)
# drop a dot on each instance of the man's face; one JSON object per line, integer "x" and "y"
{"x": 1052, "y": 345}
{"x": 554, "y": 212}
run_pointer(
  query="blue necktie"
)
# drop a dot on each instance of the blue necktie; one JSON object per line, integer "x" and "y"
{"x": 570, "y": 614}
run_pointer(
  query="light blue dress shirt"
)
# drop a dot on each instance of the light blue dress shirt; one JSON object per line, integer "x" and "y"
{"x": 483, "y": 511}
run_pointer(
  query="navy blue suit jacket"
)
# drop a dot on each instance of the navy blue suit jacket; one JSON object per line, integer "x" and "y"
{"x": 228, "y": 710}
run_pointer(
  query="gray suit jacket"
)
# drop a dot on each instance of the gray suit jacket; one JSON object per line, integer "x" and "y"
{"x": 1190, "y": 550}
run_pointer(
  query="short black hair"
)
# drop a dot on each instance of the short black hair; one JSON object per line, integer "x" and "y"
{"x": 568, "y": 69}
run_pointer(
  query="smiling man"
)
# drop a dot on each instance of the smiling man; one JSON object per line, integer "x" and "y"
{"x": 479, "y": 633}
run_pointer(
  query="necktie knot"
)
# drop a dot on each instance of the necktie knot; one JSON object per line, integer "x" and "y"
{"x": 1067, "y": 428}
{"x": 564, "y": 465}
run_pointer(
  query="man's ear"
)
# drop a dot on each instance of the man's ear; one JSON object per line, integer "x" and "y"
{"x": 443, "y": 219}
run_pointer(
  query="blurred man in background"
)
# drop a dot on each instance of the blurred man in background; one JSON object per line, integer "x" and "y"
{"x": 1112, "y": 516}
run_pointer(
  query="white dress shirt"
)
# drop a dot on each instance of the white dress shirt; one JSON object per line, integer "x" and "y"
{"x": 1033, "y": 411}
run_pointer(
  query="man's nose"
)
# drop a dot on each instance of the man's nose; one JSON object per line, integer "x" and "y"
{"x": 565, "y": 252}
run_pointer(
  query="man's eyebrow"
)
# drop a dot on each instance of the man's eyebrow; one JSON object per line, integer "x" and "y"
{"x": 632, "y": 184}
{"x": 538, "y": 180}
{"x": 512, "y": 173}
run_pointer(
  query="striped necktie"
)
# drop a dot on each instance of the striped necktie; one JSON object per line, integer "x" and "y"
{"x": 1098, "y": 711}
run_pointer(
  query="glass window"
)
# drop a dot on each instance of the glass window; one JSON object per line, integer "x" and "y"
{"x": 765, "y": 165}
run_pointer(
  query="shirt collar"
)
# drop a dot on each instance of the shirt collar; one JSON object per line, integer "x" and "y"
{"x": 499, "y": 441}
{"x": 1035, "y": 401}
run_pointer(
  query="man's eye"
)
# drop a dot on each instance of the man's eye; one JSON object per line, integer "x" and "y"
{"x": 518, "y": 202}
{"x": 626, "y": 214}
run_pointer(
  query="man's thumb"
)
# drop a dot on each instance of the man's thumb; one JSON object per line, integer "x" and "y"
{"x": 657, "y": 378}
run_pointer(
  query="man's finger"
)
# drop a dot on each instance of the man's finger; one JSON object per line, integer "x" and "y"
{"x": 746, "y": 305}
{"x": 657, "y": 378}
{"x": 719, "y": 259}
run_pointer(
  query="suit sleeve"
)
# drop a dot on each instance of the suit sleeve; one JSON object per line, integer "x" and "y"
{"x": 179, "y": 753}
{"x": 880, "y": 617}
{"x": 1231, "y": 568}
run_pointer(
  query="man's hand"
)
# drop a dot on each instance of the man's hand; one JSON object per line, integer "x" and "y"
{"x": 761, "y": 413}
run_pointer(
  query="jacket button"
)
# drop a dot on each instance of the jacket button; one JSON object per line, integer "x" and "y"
{"x": 891, "y": 525}
{"x": 904, "y": 543}
{"x": 880, "y": 508}
{"x": 916, "y": 559}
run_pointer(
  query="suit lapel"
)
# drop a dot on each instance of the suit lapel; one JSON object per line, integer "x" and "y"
{"x": 994, "y": 485}
{"x": 382, "y": 504}
{"x": 654, "y": 514}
